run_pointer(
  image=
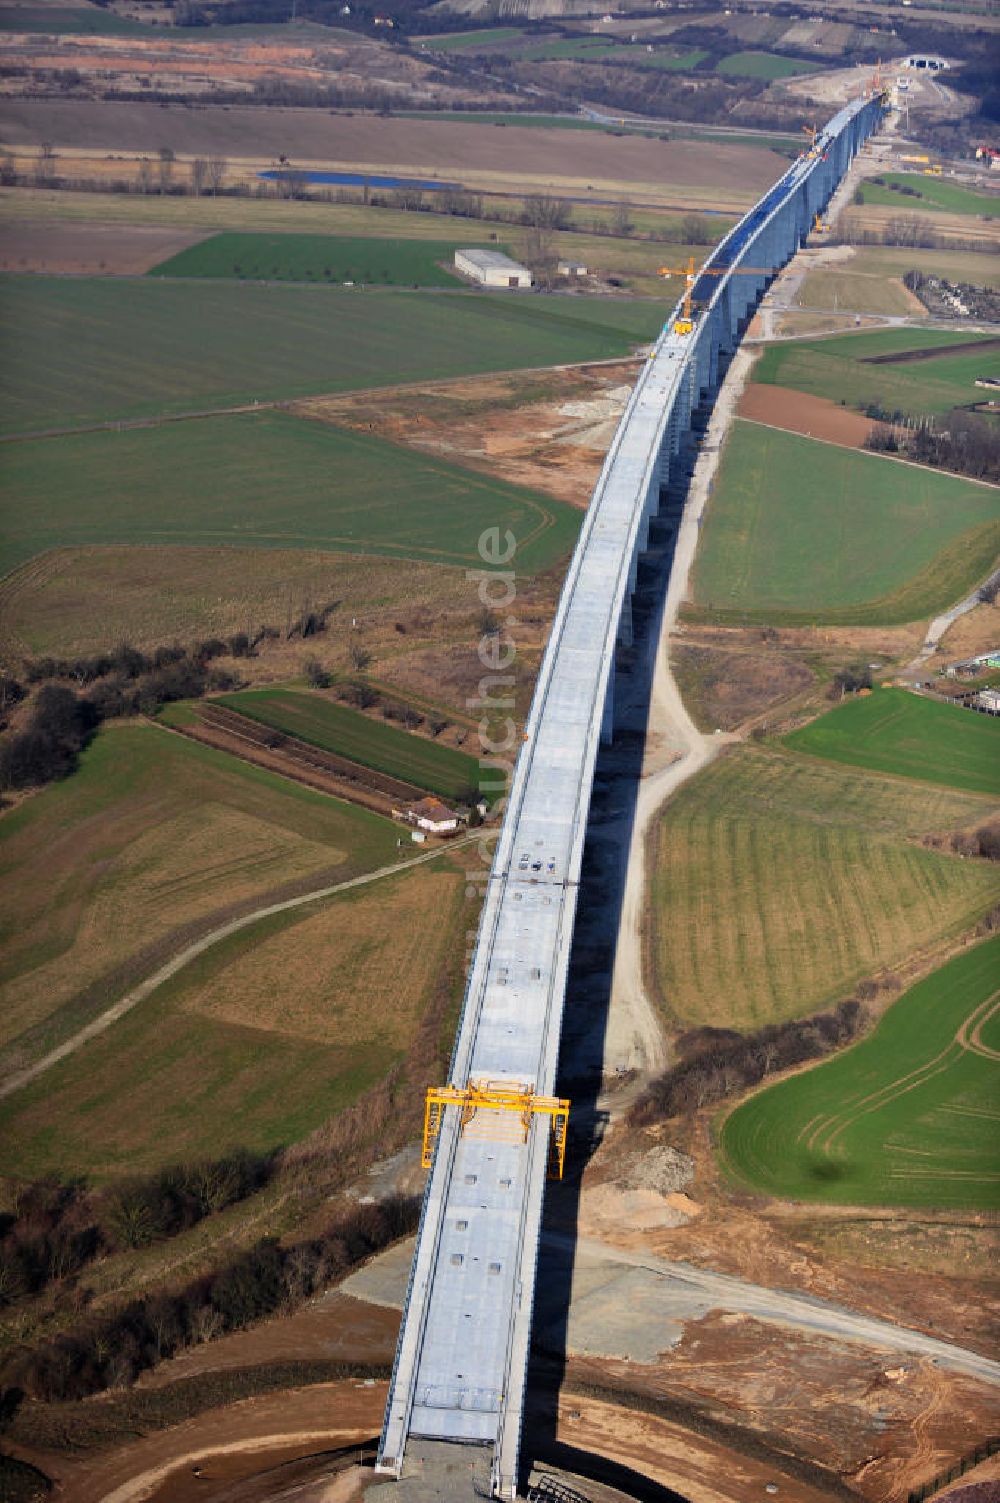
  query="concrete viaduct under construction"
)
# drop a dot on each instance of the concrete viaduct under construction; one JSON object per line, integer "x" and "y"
{"x": 496, "y": 1131}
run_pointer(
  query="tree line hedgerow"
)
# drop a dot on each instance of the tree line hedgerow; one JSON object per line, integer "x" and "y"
{"x": 54, "y": 1229}
{"x": 112, "y": 1350}
{"x": 718, "y": 1061}
{"x": 124, "y": 681}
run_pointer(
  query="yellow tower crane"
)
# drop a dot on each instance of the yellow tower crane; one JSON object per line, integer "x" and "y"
{"x": 685, "y": 323}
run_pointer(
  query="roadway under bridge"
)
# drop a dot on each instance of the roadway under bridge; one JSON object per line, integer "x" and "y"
{"x": 461, "y": 1363}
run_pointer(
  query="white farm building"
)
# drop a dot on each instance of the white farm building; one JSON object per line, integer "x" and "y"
{"x": 492, "y": 268}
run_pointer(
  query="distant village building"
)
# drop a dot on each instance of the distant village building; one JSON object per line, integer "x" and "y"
{"x": 492, "y": 268}
{"x": 571, "y": 269}
{"x": 987, "y": 702}
{"x": 431, "y": 816}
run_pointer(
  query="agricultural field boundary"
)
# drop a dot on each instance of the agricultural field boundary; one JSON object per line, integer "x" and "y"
{"x": 358, "y": 738}
{"x": 191, "y": 952}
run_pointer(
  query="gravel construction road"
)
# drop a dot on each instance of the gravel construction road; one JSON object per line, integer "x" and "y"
{"x": 634, "y": 1305}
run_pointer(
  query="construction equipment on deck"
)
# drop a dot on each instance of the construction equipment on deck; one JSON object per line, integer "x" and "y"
{"x": 516, "y": 1103}
{"x": 685, "y": 323}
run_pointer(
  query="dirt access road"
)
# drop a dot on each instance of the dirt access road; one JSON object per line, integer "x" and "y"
{"x": 675, "y": 751}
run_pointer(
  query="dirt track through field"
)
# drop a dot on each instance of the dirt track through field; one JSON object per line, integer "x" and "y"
{"x": 145, "y": 989}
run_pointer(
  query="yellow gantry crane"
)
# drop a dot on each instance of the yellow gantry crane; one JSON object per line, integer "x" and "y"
{"x": 685, "y": 323}
{"x": 499, "y": 1111}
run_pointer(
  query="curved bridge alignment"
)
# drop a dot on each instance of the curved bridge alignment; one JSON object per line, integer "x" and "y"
{"x": 461, "y": 1361}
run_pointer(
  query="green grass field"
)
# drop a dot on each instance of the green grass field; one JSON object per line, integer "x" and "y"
{"x": 907, "y": 1117}
{"x": 761, "y": 65}
{"x": 152, "y": 840}
{"x": 463, "y": 41}
{"x": 840, "y": 369}
{"x": 271, "y": 480}
{"x": 70, "y": 20}
{"x": 779, "y": 881}
{"x": 319, "y": 258}
{"x": 146, "y": 346}
{"x": 937, "y": 195}
{"x": 895, "y": 731}
{"x": 805, "y": 531}
{"x": 373, "y": 743}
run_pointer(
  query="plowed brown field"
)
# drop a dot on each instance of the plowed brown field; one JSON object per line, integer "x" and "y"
{"x": 696, "y": 171}
{"x": 89, "y": 249}
{"x": 798, "y": 412}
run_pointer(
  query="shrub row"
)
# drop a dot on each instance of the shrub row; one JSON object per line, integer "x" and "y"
{"x": 719, "y": 1062}
{"x": 56, "y": 1229}
{"x": 114, "y": 1349}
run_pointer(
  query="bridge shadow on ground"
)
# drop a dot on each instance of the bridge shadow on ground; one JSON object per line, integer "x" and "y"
{"x": 582, "y": 1062}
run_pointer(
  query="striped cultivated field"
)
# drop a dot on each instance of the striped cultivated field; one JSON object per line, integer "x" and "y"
{"x": 907, "y": 1117}
{"x": 779, "y": 881}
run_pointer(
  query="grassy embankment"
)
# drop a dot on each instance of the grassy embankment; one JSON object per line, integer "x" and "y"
{"x": 907, "y": 1117}
{"x": 267, "y": 479}
{"x": 781, "y": 880}
{"x": 363, "y": 739}
{"x": 320, "y": 258}
{"x": 802, "y": 532}
{"x": 463, "y": 41}
{"x": 152, "y": 842}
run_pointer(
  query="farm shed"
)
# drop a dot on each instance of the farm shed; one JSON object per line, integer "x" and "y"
{"x": 432, "y": 815}
{"x": 571, "y": 269}
{"x": 492, "y": 268}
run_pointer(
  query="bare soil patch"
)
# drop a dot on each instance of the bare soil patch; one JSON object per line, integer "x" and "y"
{"x": 798, "y": 412}
{"x": 90, "y": 249}
{"x": 881, "y": 1426}
{"x": 548, "y": 431}
{"x": 275, "y": 1427}
{"x": 331, "y": 1326}
{"x": 699, "y": 1467}
{"x": 695, "y": 171}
